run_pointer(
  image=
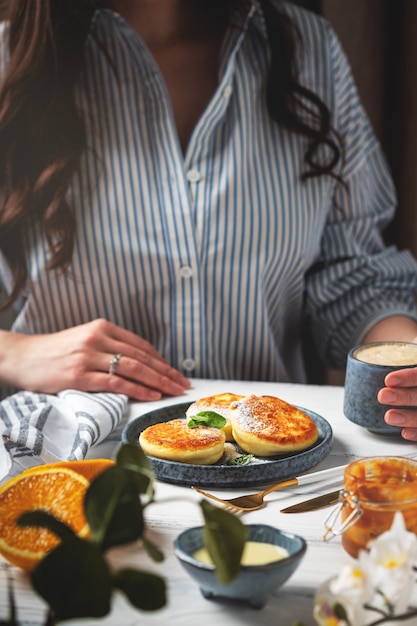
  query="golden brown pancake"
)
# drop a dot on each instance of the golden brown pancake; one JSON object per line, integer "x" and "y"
{"x": 220, "y": 403}
{"x": 267, "y": 426}
{"x": 175, "y": 441}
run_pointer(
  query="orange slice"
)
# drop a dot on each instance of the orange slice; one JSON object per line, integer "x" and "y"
{"x": 58, "y": 490}
{"x": 89, "y": 468}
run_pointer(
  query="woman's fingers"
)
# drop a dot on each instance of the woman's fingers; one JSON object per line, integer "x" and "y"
{"x": 400, "y": 389}
{"x": 99, "y": 381}
{"x": 139, "y": 373}
{"x": 141, "y": 364}
{"x": 406, "y": 420}
{"x": 398, "y": 396}
{"x": 409, "y": 433}
{"x": 406, "y": 377}
{"x": 401, "y": 394}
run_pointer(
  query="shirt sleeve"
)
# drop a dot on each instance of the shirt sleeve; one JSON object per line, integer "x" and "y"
{"x": 4, "y": 48}
{"x": 357, "y": 280}
{"x": 5, "y": 274}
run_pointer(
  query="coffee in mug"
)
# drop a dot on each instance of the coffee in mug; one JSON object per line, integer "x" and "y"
{"x": 398, "y": 354}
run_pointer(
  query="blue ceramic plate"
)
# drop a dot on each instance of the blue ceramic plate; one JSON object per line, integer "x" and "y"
{"x": 260, "y": 471}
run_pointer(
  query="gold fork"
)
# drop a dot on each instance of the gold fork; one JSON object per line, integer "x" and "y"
{"x": 252, "y": 502}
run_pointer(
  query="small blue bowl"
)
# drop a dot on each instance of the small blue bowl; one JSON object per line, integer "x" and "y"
{"x": 254, "y": 583}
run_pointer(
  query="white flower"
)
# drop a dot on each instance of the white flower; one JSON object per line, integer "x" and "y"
{"x": 340, "y": 601}
{"x": 351, "y": 581}
{"x": 382, "y": 578}
{"x": 395, "y": 547}
{"x": 390, "y": 563}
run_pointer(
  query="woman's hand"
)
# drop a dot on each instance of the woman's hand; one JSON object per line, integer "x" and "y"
{"x": 401, "y": 385}
{"x": 80, "y": 358}
{"x": 400, "y": 391}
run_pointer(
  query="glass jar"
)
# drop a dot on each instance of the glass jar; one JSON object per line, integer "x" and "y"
{"x": 374, "y": 489}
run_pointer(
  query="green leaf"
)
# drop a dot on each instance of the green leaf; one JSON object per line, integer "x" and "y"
{"x": 113, "y": 508}
{"x": 243, "y": 459}
{"x": 74, "y": 580}
{"x": 224, "y": 537}
{"x": 152, "y": 550}
{"x": 207, "y": 418}
{"x": 145, "y": 591}
{"x": 131, "y": 457}
{"x": 42, "y": 519}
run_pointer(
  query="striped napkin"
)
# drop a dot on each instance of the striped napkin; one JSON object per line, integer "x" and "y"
{"x": 41, "y": 428}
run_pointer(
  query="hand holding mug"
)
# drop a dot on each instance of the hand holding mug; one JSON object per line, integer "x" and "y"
{"x": 370, "y": 369}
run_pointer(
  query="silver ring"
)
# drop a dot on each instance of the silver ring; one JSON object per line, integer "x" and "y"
{"x": 114, "y": 361}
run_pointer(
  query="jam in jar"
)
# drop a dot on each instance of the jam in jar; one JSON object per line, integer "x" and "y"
{"x": 374, "y": 489}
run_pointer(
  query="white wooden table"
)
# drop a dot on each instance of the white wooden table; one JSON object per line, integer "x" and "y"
{"x": 177, "y": 508}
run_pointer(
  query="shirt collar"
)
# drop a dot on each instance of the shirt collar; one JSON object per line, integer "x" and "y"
{"x": 256, "y": 17}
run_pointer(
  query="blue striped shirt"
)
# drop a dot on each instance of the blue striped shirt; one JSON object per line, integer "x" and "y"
{"x": 221, "y": 255}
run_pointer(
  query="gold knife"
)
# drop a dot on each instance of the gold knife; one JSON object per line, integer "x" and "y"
{"x": 319, "y": 502}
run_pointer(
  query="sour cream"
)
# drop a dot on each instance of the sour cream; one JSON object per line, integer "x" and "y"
{"x": 254, "y": 553}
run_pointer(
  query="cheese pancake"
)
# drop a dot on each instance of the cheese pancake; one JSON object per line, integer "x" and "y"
{"x": 220, "y": 403}
{"x": 266, "y": 426}
{"x": 175, "y": 441}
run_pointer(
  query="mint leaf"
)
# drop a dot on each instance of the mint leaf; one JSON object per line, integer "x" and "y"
{"x": 243, "y": 459}
{"x": 207, "y": 418}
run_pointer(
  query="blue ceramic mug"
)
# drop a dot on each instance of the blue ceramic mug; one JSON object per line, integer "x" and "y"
{"x": 367, "y": 366}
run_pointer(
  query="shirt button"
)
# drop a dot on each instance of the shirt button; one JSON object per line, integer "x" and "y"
{"x": 189, "y": 364}
{"x": 193, "y": 176}
{"x": 186, "y": 271}
{"x": 227, "y": 91}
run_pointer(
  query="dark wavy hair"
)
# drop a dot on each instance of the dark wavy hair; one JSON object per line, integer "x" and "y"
{"x": 42, "y": 133}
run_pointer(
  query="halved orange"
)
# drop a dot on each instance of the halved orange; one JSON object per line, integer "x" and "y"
{"x": 58, "y": 490}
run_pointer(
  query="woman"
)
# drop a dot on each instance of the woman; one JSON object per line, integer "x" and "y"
{"x": 186, "y": 187}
